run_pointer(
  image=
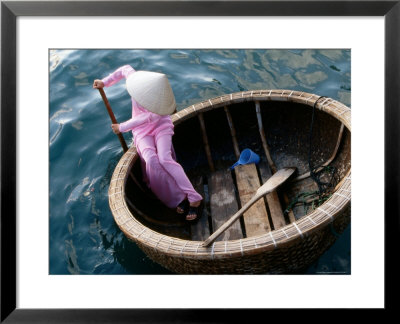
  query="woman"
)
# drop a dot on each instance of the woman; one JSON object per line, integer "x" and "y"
{"x": 152, "y": 103}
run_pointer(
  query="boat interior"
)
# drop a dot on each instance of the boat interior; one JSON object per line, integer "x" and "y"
{"x": 209, "y": 143}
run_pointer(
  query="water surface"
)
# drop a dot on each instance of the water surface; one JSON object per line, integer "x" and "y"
{"x": 84, "y": 238}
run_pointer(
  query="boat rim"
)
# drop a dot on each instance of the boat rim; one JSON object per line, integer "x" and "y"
{"x": 172, "y": 246}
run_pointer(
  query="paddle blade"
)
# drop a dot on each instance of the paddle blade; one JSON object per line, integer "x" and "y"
{"x": 276, "y": 180}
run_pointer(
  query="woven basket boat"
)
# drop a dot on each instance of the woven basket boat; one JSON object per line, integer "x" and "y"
{"x": 208, "y": 139}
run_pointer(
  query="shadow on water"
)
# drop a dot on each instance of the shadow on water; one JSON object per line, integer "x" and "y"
{"x": 124, "y": 250}
{"x": 337, "y": 259}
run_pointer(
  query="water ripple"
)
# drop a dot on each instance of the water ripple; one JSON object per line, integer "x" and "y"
{"x": 84, "y": 151}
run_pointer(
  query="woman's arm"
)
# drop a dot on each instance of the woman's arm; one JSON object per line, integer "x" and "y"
{"x": 117, "y": 75}
{"x": 139, "y": 120}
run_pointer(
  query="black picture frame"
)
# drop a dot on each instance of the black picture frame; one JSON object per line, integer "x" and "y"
{"x": 10, "y": 10}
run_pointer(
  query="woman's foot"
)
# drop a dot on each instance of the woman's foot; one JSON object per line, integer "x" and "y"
{"x": 194, "y": 211}
{"x": 182, "y": 207}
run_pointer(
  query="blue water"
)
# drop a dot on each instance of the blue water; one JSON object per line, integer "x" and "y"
{"x": 83, "y": 150}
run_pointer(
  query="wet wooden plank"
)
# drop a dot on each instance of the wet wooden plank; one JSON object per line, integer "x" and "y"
{"x": 200, "y": 230}
{"x": 274, "y": 205}
{"x": 223, "y": 204}
{"x": 256, "y": 218}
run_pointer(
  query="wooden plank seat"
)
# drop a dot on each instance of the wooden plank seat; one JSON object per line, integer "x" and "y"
{"x": 223, "y": 204}
{"x": 256, "y": 218}
{"x": 201, "y": 229}
{"x": 274, "y": 205}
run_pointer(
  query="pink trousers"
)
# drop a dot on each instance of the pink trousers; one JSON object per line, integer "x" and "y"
{"x": 164, "y": 176}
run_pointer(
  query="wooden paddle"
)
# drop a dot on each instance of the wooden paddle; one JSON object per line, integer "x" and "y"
{"x": 272, "y": 183}
{"x": 121, "y": 138}
{"x": 113, "y": 119}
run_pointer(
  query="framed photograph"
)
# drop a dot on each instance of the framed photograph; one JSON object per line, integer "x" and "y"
{"x": 64, "y": 260}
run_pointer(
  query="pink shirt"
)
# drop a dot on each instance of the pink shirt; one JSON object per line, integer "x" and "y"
{"x": 143, "y": 122}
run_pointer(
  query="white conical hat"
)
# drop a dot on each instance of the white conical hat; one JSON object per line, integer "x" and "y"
{"x": 152, "y": 91}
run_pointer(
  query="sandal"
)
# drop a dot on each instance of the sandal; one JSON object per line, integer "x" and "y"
{"x": 182, "y": 208}
{"x": 194, "y": 211}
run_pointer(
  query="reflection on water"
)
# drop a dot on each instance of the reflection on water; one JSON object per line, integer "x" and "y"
{"x": 84, "y": 152}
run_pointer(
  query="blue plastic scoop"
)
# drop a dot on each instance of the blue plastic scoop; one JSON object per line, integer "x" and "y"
{"x": 246, "y": 157}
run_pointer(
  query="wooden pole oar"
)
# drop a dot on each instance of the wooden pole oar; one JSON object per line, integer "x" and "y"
{"x": 121, "y": 138}
{"x": 272, "y": 183}
{"x": 113, "y": 119}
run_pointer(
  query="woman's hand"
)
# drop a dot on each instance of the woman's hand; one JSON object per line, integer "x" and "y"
{"x": 115, "y": 128}
{"x": 98, "y": 84}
